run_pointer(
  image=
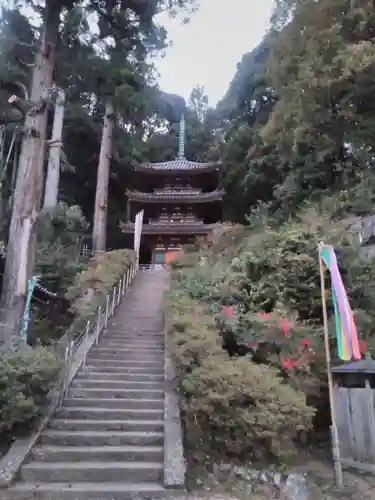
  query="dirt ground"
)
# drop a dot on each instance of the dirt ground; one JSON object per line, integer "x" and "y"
{"x": 317, "y": 469}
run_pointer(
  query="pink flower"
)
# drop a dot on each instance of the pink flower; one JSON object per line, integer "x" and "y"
{"x": 227, "y": 310}
{"x": 284, "y": 326}
{"x": 363, "y": 346}
{"x": 305, "y": 341}
{"x": 263, "y": 314}
{"x": 287, "y": 362}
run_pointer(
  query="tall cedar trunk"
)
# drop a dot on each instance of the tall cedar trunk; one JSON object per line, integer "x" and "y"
{"x": 53, "y": 171}
{"x": 29, "y": 186}
{"x": 101, "y": 196}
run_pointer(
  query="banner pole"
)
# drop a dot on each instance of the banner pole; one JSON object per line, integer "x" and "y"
{"x": 334, "y": 432}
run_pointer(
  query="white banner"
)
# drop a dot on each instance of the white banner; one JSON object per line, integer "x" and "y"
{"x": 137, "y": 234}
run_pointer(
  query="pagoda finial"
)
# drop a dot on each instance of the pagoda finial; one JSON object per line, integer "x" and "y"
{"x": 181, "y": 143}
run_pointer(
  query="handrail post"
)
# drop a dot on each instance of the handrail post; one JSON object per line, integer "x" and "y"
{"x": 124, "y": 284}
{"x": 106, "y": 311}
{"x": 119, "y": 292}
{"x": 113, "y": 301}
{"x": 63, "y": 382}
{"x": 98, "y": 319}
{"x": 70, "y": 358}
{"x": 86, "y": 341}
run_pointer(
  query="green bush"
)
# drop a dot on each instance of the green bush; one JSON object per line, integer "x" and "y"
{"x": 91, "y": 286}
{"x": 272, "y": 270}
{"x": 240, "y": 409}
{"x": 231, "y": 406}
{"x": 60, "y": 235}
{"x": 27, "y": 375}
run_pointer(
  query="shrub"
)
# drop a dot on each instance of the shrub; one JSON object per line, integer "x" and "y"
{"x": 226, "y": 411}
{"x": 27, "y": 375}
{"x": 60, "y": 234}
{"x": 192, "y": 333}
{"x": 239, "y": 409}
{"x": 90, "y": 287}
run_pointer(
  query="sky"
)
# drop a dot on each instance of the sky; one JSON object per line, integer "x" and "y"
{"x": 206, "y": 51}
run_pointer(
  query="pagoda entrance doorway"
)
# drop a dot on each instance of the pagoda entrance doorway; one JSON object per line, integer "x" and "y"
{"x": 145, "y": 254}
{"x": 164, "y": 255}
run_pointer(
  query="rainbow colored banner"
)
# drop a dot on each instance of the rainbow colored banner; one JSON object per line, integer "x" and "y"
{"x": 346, "y": 331}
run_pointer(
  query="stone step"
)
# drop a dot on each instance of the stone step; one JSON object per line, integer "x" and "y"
{"x": 129, "y": 355}
{"x": 107, "y": 425}
{"x": 89, "y": 491}
{"x": 136, "y": 324}
{"x": 135, "y": 334}
{"x": 83, "y": 383}
{"x": 88, "y": 413}
{"x": 96, "y": 453}
{"x": 117, "y": 393}
{"x": 101, "y": 438}
{"x": 131, "y": 317}
{"x": 125, "y": 377}
{"x": 141, "y": 346}
{"x": 95, "y": 472}
{"x": 127, "y": 363}
{"x": 135, "y": 337}
{"x": 119, "y": 349}
{"x": 154, "y": 340}
{"x": 109, "y": 367}
{"x": 123, "y": 404}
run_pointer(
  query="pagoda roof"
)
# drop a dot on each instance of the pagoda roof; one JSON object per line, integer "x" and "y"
{"x": 179, "y": 165}
{"x": 172, "y": 196}
{"x": 170, "y": 228}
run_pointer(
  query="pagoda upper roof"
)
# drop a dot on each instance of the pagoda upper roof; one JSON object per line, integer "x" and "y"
{"x": 179, "y": 165}
{"x": 188, "y": 196}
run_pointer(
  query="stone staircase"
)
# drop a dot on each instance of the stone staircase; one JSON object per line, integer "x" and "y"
{"x": 107, "y": 439}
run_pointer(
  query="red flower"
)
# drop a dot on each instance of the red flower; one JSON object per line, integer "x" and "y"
{"x": 284, "y": 326}
{"x": 363, "y": 346}
{"x": 263, "y": 314}
{"x": 228, "y": 310}
{"x": 305, "y": 341}
{"x": 287, "y": 362}
{"x": 252, "y": 345}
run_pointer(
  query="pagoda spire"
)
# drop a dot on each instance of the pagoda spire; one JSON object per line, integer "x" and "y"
{"x": 181, "y": 141}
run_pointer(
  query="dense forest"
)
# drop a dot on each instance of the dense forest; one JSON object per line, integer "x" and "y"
{"x": 294, "y": 132}
{"x": 294, "y": 125}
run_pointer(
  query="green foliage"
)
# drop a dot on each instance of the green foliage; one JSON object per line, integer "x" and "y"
{"x": 232, "y": 407}
{"x": 259, "y": 296}
{"x": 300, "y": 113}
{"x": 275, "y": 269}
{"x": 91, "y": 286}
{"x": 243, "y": 409}
{"x": 27, "y": 375}
{"x": 60, "y": 236}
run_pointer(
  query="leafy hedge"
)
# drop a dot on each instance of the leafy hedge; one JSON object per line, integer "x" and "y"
{"x": 90, "y": 287}
{"x": 27, "y": 375}
{"x": 231, "y": 406}
{"x": 255, "y": 293}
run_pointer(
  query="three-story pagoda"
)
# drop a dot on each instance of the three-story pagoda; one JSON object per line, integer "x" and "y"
{"x": 180, "y": 200}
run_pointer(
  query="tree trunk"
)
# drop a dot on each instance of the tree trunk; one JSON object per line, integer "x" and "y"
{"x": 101, "y": 196}
{"x": 53, "y": 171}
{"x": 29, "y": 186}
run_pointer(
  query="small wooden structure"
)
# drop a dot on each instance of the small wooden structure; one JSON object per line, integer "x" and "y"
{"x": 354, "y": 400}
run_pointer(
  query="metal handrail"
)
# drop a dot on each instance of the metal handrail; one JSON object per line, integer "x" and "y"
{"x": 113, "y": 300}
